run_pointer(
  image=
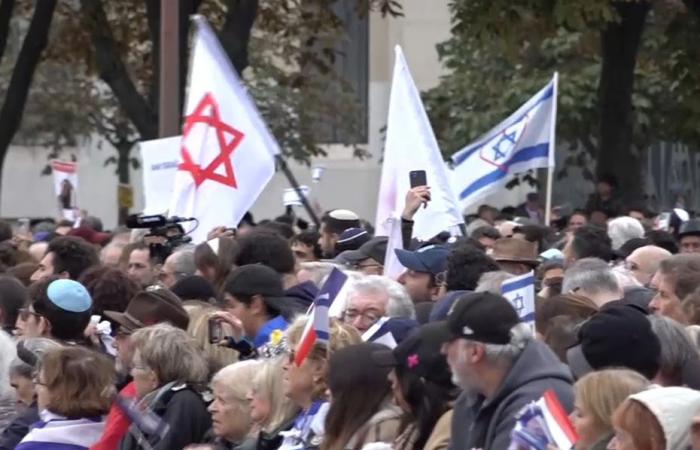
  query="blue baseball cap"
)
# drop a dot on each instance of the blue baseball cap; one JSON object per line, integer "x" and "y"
{"x": 69, "y": 295}
{"x": 428, "y": 259}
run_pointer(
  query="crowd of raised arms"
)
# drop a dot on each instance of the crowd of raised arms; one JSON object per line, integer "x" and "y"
{"x": 110, "y": 341}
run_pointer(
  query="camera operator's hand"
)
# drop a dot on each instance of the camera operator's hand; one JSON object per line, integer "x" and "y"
{"x": 415, "y": 197}
{"x": 233, "y": 321}
{"x": 220, "y": 232}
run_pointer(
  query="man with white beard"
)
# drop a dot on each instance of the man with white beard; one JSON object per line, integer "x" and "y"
{"x": 500, "y": 368}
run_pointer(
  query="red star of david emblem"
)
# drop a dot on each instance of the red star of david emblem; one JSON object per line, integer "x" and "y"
{"x": 228, "y": 138}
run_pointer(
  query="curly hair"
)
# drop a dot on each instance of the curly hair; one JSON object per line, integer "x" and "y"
{"x": 111, "y": 289}
{"x": 266, "y": 248}
{"x": 465, "y": 265}
{"x": 72, "y": 255}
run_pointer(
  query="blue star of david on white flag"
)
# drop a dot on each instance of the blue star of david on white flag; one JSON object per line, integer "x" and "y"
{"x": 523, "y": 141}
{"x": 520, "y": 291}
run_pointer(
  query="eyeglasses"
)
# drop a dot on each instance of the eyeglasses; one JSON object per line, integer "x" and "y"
{"x": 369, "y": 316}
{"x": 25, "y": 313}
{"x": 141, "y": 368}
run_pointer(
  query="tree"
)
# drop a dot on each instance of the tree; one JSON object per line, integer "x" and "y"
{"x": 27, "y": 61}
{"x": 624, "y": 75}
{"x": 285, "y": 51}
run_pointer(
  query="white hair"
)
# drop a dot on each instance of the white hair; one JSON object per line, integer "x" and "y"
{"x": 591, "y": 275}
{"x": 492, "y": 281}
{"x": 183, "y": 262}
{"x": 622, "y": 229}
{"x": 400, "y": 304}
{"x": 520, "y": 336}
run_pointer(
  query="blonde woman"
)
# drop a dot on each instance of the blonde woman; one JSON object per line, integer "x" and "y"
{"x": 217, "y": 356}
{"x": 270, "y": 409}
{"x": 169, "y": 373}
{"x": 597, "y": 396}
{"x": 306, "y": 384}
{"x": 230, "y": 410}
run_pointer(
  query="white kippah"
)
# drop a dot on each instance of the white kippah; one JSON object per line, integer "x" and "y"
{"x": 343, "y": 214}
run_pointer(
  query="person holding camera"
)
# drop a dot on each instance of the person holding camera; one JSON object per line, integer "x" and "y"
{"x": 253, "y": 299}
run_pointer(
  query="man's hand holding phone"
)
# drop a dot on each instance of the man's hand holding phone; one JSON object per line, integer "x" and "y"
{"x": 415, "y": 197}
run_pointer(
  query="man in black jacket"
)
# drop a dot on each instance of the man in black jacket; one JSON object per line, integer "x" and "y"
{"x": 500, "y": 368}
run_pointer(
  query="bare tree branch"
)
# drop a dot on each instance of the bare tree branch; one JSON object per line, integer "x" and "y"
{"x": 27, "y": 61}
{"x": 6, "y": 8}
{"x": 114, "y": 73}
{"x": 235, "y": 33}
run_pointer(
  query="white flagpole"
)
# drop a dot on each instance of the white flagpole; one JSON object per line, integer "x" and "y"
{"x": 548, "y": 203}
{"x": 552, "y": 147}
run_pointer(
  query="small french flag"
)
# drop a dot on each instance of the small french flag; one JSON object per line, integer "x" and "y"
{"x": 542, "y": 424}
{"x": 318, "y": 327}
{"x": 560, "y": 428}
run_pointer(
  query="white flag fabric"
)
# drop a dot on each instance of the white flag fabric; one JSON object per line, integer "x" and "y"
{"x": 227, "y": 155}
{"x": 520, "y": 291}
{"x": 411, "y": 145}
{"x": 159, "y": 161}
{"x": 523, "y": 141}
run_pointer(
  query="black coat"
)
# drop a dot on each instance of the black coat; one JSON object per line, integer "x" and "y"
{"x": 18, "y": 428}
{"x": 185, "y": 411}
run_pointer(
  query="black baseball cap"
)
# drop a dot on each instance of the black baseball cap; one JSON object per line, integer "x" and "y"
{"x": 419, "y": 353}
{"x": 255, "y": 279}
{"x": 375, "y": 248}
{"x": 690, "y": 228}
{"x": 482, "y": 317}
{"x": 616, "y": 336}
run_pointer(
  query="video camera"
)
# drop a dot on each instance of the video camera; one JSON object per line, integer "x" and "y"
{"x": 165, "y": 233}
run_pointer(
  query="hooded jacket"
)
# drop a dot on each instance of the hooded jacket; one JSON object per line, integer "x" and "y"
{"x": 674, "y": 408}
{"x": 487, "y": 423}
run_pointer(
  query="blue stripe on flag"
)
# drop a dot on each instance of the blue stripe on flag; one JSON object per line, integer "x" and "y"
{"x": 459, "y": 157}
{"x": 517, "y": 284}
{"x": 331, "y": 287}
{"x": 523, "y": 155}
{"x": 321, "y": 335}
{"x": 324, "y": 301}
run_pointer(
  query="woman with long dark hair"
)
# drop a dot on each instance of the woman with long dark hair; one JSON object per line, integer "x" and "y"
{"x": 422, "y": 388}
{"x": 354, "y": 420}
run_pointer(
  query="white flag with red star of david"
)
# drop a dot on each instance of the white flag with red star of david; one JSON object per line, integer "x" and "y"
{"x": 227, "y": 154}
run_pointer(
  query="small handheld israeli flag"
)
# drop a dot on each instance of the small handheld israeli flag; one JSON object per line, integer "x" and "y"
{"x": 523, "y": 141}
{"x": 520, "y": 292}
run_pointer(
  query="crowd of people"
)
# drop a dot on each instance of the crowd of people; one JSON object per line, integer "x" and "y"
{"x": 111, "y": 340}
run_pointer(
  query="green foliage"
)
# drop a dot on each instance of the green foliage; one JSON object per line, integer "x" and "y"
{"x": 501, "y": 53}
{"x": 292, "y": 52}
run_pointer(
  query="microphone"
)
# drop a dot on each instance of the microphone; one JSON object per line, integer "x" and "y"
{"x": 154, "y": 221}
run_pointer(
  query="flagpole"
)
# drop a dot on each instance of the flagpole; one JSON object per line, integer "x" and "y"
{"x": 552, "y": 148}
{"x": 293, "y": 181}
{"x": 548, "y": 203}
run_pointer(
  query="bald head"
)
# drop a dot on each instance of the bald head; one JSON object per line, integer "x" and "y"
{"x": 644, "y": 262}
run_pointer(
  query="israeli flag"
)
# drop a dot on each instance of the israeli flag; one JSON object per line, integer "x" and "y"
{"x": 520, "y": 292}
{"x": 523, "y": 141}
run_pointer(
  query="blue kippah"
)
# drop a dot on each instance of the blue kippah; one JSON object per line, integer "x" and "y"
{"x": 69, "y": 295}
